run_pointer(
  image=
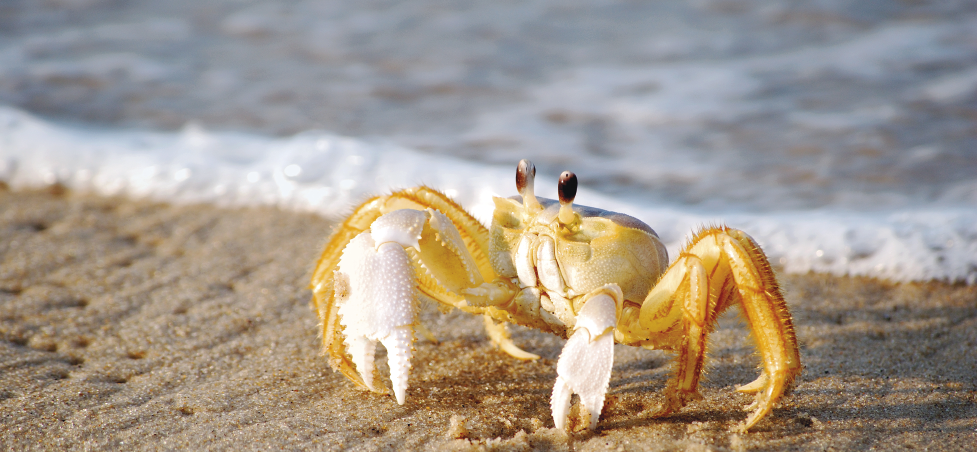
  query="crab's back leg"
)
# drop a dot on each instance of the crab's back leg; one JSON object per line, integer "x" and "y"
{"x": 766, "y": 312}
{"x": 727, "y": 265}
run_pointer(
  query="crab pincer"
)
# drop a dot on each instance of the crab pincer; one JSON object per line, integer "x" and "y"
{"x": 381, "y": 275}
{"x": 585, "y": 364}
{"x": 376, "y": 271}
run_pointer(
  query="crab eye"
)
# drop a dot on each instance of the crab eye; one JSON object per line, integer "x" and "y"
{"x": 525, "y": 173}
{"x": 567, "y": 187}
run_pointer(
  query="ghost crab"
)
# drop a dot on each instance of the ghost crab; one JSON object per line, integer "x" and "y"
{"x": 592, "y": 276}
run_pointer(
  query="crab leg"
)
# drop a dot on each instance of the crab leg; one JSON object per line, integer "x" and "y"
{"x": 585, "y": 364}
{"x": 498, "y": 332}
{"x": 694, "y": 309}
{"x": 719, "y": 268}
{"x": 766, "y": 312}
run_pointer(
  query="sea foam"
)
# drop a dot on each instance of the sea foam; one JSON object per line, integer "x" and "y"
{"x": 328, "y": 174}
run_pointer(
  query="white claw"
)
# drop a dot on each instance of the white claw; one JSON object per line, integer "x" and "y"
{"x": 560, "y": 403}
{"x": 585, "y": 363}
{"x": 378, "y": 304}
{"x": 362, "y": 350}
{"x": 400, "y": 226}
{"x": 399, "y": 352}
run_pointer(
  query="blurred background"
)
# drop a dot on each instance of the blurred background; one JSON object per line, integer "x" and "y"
{"x": 842, "y": 134}
{"x": 757, "y": 104}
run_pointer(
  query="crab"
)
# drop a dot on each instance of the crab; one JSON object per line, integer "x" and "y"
{"x": 591, "y": 276}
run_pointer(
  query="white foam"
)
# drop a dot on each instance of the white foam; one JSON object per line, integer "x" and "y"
{"x": 327, "y": 174}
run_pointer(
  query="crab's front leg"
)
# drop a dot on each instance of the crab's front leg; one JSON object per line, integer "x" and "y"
{"x": 377, "y": 286}
{"x": 585, "y": 363}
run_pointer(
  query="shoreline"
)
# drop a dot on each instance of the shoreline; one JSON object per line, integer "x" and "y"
{"x": 144, "y": 325}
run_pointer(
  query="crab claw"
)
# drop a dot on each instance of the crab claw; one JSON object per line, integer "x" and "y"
{"x": 585, "y": 364}
{"x": 375, "y": 284}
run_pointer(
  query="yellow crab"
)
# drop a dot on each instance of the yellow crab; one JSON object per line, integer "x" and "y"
{"x": 590, "y": 275}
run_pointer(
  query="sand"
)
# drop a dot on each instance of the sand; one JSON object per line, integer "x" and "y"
{"x": 134, "y": 325}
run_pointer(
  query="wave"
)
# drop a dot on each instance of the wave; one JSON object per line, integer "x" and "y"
{"x": 328, "y": 174}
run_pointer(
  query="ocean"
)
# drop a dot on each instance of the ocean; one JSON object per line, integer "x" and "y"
{"x": 843, "y": 137}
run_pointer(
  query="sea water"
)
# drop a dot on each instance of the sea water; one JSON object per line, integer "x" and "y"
{"x": 842, "y": 137}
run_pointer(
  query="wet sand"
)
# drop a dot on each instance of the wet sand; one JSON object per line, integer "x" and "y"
{"x": 129, "y": 324}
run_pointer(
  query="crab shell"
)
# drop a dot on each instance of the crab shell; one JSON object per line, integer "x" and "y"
{"x": 601, "y": 248}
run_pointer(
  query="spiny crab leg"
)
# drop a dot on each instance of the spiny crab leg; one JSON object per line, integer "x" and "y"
{"x": 585, "y": 363}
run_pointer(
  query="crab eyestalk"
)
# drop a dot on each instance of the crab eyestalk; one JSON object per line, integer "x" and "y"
{"x": 567, "y": 188}
{"x": 525, "y": 178}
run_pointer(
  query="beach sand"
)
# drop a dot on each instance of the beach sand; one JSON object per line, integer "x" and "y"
{"x": 136, "y": 325}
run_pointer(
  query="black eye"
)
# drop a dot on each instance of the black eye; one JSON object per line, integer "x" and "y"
{"x": 567, "y": 187}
